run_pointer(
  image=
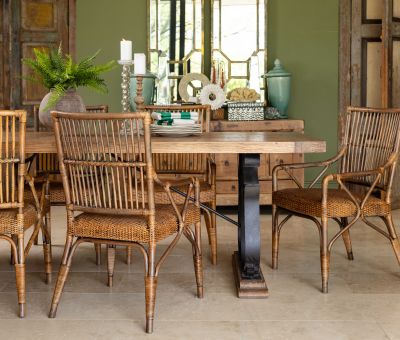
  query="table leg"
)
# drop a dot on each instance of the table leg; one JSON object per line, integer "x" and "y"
{"x": 249, "y": 279}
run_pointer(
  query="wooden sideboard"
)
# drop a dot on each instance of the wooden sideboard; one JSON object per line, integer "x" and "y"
{"x": 227, "y": 164}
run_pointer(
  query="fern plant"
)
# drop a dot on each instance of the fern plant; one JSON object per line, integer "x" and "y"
{"x": 59, "y": 73}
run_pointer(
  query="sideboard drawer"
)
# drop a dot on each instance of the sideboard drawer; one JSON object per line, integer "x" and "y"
{"x": 227, "y": 164}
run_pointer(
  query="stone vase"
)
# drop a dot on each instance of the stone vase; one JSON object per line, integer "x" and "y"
{"x": 71, "y": 102}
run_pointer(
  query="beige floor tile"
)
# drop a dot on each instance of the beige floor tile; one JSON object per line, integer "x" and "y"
{"x": 362, "y": 303}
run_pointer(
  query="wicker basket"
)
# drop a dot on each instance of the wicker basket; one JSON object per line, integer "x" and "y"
{"x": 245, "y": 111}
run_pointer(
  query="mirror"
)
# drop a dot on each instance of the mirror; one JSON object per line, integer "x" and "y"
{"x": 239, "y": 23}
{"x": 176, "y": 29}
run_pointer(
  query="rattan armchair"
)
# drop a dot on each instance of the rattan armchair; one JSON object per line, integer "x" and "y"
{"x": 115, "y": 196}
{"x": 186, "y": 165}
{"x": 367, "y": 162}
{"x": 47, "y": 167}
{"x": 18, "y": 210}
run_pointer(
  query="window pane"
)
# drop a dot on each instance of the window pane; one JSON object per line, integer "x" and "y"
{"x": 238, "y": 32}
{"x": 396, "y": 74}
{"x": 374, "y": 62}
{"x": 396, "y": 9}
{"x": 374, "y": 9}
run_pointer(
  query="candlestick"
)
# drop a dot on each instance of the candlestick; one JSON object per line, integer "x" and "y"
{"x": 139, "y": 99}
{"x": 126, "y": 84}
{"x": 140, "y": 63}
{"x": 126, "y": 50}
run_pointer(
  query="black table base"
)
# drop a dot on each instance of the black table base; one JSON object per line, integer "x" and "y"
{"x": 249, "y": 279}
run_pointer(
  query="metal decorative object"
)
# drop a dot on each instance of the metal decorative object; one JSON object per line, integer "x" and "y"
{"x": 126, "y": 84}
{"x": 245, "y": 111}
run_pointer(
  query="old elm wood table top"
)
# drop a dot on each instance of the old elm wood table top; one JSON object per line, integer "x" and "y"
{"x": 249, "y": 145}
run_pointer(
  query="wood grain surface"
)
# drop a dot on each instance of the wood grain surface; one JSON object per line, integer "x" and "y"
{"x": 211, "y": 142}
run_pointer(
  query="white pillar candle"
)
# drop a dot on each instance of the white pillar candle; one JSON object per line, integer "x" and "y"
{"x": 126, "y": 50}
{"x": 140, "y": 63}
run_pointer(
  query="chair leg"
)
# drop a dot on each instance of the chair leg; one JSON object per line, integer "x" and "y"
{"x": 110, "y": 263}
{"x": 46, "y": 242}
{"x": 97, "y": 249}
{"x": 150, "y": 280}
{"x": 210, "y": 221}
{"x": 347, "y": 239}
{"x": 393, "y": 236}
{"x": 47, "y": 254}
{"x": 325, "y": 255}
{"x": 12, "y": 257}
{"x": 275, "y": 237}
{"x": 207, "y": 220}
{"x": 213, "y": 234}
{"x": 128, "y": 255}
{"x": 197, "y": 261}
{"x": 150, "y": 287}
{"x": 62, "y": 276}
{"x": 20, "y": 275}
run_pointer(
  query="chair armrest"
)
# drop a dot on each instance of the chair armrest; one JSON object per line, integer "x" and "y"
{"x": 191, "y": 183}
{"x": 343, "y": 177}
{"x": 310, "y": 164}
{"x": 286, "y": 167}
{"x": 39, "y": 203}
{"x": 211, "y": 171}
{"x": 350, "y": 175}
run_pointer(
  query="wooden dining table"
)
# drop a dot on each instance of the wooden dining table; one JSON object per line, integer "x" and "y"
{"x": 250, "y": 282}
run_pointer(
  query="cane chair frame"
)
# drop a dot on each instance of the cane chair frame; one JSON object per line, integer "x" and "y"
{"x": 47, "y": 166}
{"x": 201, "y": 165}
{"x": 13, "y": 176}
{"x": 97, "y": 182}
{"x": 367, "y": 158}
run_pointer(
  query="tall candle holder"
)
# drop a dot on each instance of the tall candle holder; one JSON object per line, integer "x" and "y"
{"x": 139, "y": 99}
{"x": 126, "y": 84}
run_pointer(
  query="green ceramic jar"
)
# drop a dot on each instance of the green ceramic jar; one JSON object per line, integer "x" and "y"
{"x": 148, "y": 89}
{"x": 278, "y": 87}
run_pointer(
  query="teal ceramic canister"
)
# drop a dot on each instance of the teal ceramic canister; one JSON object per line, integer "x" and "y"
{"x": 149, "y": 80}
{"x": 278, "y": 87}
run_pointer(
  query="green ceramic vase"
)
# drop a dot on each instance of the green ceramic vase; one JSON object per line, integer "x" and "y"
{"x": 278, "y": 87}
{"x": 148, "y": 89}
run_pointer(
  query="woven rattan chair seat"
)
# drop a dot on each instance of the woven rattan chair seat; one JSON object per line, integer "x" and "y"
{"x": 308, "y": 202}
{"x": 57, "y": 195}
{"x": 131, "y": 228}
{"x": 8, "y": 219}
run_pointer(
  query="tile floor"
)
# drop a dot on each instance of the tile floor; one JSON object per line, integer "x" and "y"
{"x": 363, "y": 302}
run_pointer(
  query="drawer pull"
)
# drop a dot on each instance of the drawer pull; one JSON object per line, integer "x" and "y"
{"x": 226, "y": 163}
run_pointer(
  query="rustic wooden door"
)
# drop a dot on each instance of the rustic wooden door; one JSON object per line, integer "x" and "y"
{"x": 369, "y": 53}
{"x": 32, "y": 24}
{"x": 370, "y": 58}
{"x": 3, "y": 56}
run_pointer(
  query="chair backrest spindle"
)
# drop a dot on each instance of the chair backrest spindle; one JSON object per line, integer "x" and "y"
{"x": 102, "y": 161}
{"x": 12, "y": 158}
{"x": 372, "y": 137}
{"x": 190, "y": 163}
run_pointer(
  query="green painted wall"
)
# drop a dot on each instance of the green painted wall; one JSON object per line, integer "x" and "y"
{"x": 302, "y": 33}
{"x": 101, "y": 24}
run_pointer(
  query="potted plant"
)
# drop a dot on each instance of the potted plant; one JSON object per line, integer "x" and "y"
{"x": 62, "y": 76}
